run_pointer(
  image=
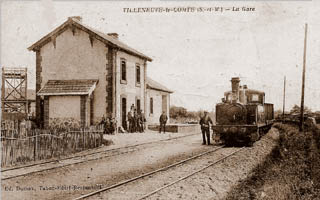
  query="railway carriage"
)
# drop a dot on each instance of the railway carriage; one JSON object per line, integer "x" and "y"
{"x": 243, "y": 116}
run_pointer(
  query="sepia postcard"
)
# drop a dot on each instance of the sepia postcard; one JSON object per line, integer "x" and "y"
{"x": 160, "y": 99}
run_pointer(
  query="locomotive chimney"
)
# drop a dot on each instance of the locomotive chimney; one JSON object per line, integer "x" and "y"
{"x": 235, "y": 82}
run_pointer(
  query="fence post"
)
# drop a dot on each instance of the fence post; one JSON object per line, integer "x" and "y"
{"x": 11, "y": 148}
{"x": 83, "y": 140}
{"x": 35, "y": 145}
{"x": 101, "y": 138}
{"x": 94, "y": 138}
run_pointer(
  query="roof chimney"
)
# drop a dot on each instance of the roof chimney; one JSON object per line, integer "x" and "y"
{"x": 235, "y": 82}
{"x": 245, "y": 87}
{"x": 78, "y": 18}
{"x": 114, "y": 35}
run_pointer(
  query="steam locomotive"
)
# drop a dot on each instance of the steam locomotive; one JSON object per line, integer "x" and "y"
{"x": 243, "y": 116}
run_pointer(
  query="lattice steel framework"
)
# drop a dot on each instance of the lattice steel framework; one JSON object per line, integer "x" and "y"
{"x": 14, "y": 90}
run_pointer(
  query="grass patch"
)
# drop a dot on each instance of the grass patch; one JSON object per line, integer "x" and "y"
{"x": 291, "y": 171}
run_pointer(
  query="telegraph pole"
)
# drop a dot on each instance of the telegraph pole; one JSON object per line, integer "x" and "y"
{"x": 303, "y": 78}
{"x": 284, "y": 97}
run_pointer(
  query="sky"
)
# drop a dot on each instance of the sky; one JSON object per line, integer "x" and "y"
{"x": 194, "y": 54}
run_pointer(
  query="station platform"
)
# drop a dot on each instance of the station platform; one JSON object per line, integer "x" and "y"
{"x": 177, "y": 128}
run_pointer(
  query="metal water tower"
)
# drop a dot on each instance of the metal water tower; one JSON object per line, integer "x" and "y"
{"x": 14, "y": 90}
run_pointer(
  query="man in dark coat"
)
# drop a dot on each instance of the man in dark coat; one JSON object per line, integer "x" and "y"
{"x": 138, "y": 121}
{"x": 130, "y": 120}
{"x": 103, "y": 125}
{"x": 205, "y": 127}
{"x": 112, "y": 125}
{"x": 163, "y": 120}
{"x": 142, "y": 121}
{"x": 135, "y": 121}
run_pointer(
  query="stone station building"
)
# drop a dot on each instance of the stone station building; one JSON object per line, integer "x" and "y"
{"x": 83, "y": 75}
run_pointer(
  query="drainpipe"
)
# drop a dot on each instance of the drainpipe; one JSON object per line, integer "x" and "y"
{"x": 145, "y": 92}
{"x": 114, "y": 88}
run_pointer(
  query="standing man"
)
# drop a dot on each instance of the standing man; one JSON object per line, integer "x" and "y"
{"x": 143, "y": 121}
{"x": 163, "y": 120}
{"x": 205, "y": 127}
{"x": 130, "y": 121}
{"x": 135, "y": 120}
{"x": 139, "y": 121}
{"x": 103, "y": 125}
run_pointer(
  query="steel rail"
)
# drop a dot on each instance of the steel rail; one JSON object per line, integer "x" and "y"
{"x": 146, "y": 174}
{"x": 80, "y": 156}
{"x": 189, "y": 175}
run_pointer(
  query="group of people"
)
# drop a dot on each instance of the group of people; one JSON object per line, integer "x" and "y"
{"x": 108, "y": 124}
{"x": 136, "y": 120}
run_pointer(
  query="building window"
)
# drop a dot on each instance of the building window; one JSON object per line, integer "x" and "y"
{"x": 123, "y": 71}
{"x": 151, "y": 105}
{"x": 138, "y": 79}
{"x": 138, "y": 105}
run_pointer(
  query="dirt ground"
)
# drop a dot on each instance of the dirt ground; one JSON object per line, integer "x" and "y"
{"x": 117, "y": 141}
{"x": 213, "y": 183}
{"x": 73, "y": 180}
{"x": 216, "y": 182}
{"x": 137, "y": 189}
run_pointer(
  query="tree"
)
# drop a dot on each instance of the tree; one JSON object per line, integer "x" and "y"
{"x": 176, "y": 112}
{"x": 182, "y": 115}
{"x": 296, "y": 110}
{"x": 278, "y": 113}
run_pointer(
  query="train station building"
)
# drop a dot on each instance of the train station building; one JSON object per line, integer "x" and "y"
{"x": 83, "y": 75}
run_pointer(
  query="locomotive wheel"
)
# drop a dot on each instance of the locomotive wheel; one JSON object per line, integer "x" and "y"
{"x": 262, "y": 131}
{"x": 228, "y": 141}
{"x": 255, "y": 136}
{"x": 250, "y": 143}
{"x": 216, "y": 137}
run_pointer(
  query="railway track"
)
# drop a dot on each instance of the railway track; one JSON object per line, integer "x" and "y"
{"x": 164, "y": 169}
{"x": 58, "y": 163}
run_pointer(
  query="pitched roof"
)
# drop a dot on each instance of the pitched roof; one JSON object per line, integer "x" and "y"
{"x": 68, "y": 87}
{"x": 151, "y": 84}
{"x": 98, "y": 35}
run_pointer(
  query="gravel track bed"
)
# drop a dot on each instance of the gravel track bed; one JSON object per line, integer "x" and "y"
{"x": 216, "y": 181}
{"x": 106, "y": 171}
{"x": 212, "y": 183}
{"x": 137, "y": 189}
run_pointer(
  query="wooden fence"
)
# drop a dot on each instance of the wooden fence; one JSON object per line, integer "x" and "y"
{"x": 45, "y": 144}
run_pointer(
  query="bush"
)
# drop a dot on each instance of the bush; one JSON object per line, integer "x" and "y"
{"x": 182, "y": 115}
{"x": 291, "y": 171}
